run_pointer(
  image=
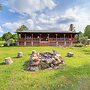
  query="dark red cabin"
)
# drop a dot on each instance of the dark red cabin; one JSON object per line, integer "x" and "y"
{"x": 46, "y": 38}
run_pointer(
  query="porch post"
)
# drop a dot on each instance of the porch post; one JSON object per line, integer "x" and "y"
{"x": 64, "y": 40}
{"x": 18, "y": 40}
{"x": 56, "y": 40}
{"x": 71, "y": 40}
{"x": 32, "y": 39}
{"x": 48, "y": 39}
{"x": 25, "y": 40}
{"x": 40, "y": 40}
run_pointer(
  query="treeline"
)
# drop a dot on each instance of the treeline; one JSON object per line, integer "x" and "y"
{"x": 11, "y": 39}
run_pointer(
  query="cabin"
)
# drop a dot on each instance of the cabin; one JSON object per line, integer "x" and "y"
{"x": 46, "y": 38}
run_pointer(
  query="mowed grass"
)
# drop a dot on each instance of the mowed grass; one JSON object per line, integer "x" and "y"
{"x": 73, "y": 75}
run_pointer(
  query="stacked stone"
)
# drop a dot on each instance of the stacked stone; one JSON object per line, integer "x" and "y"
{"x": 44, "y": 60}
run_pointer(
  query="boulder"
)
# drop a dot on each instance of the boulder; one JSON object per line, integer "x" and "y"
{"x": 20, "y": 54}
{"x": 70, "y": 54}
{"x": 8, "y": 60}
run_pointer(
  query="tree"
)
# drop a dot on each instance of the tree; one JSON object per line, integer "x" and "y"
{"x": 7, "y": 36}
{"x": 71, "y": 28}
{"x": 82, "y": 38}
{"x": 87, "y": 31}
{"x": 22, "y": 28}
{"x": 15, "y": 37}
{"x": 0, "y": 38}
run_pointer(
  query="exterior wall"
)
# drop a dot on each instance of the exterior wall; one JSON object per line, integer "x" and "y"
{"x": 49, "y": 39}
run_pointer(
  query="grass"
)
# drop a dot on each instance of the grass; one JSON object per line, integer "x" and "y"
{"x": 74, "y": 75}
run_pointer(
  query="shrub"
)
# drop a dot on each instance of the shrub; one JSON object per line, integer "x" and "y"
{"x": 13, "y": 44}
{"x": 5, "y": 44}
{"x": 78, "y": 45}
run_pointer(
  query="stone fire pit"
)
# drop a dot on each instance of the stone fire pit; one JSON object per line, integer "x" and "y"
{"x": 40, "y": 61}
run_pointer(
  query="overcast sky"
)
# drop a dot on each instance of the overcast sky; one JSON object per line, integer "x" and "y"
{"x": 44, "y": 14}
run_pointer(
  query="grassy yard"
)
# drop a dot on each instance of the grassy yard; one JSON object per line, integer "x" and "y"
{"x": 74, "y": 75}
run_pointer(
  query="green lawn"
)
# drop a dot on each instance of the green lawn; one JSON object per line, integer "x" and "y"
{"x": 74, "y": 75}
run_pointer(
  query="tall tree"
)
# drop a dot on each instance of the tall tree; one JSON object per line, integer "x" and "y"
{"x": 22, "y": 28}
{"x": 7, "y": 36}
{"x": 87, "y": 31}
{"x": 71, "y": 28}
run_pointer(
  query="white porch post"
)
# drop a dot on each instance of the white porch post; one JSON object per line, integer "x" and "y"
{"x": 64, "y": 40}
{"x": 56, "y": 41}
{"x": 32, "y": 39}
{"x": 25, "y": 40}
{"x": 71, "y": 40}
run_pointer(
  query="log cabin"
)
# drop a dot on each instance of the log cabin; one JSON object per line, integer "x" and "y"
{"x": 46, "y": 38}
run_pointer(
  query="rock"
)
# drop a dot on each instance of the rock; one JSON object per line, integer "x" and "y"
{"x": 45, "y": 60}
{"x": 20, "y": 54}
{"x": 8, "y": 60}
{"x": 34, "y": 68}
{"x": 44, "y": 65}
{"x": 70, "y": 54}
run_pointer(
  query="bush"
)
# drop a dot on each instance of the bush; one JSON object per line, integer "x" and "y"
{"x": 13, "y": 44}
{"x": 5, "y": 44}
{"x": 78, "y": 45}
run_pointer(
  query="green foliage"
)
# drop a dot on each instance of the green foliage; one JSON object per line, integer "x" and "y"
{"x": 74, "y": 75}
{"x": 87, "y": 31}
{"x": 82, "y": 38}
{"x": 7, "y": 36}
{"x": 10, "y": 39}
{"x": 11, "y": 42}
{"x": 22, "y": 28}
{"x": 78, "y": 45}
{"x": 0, "y": 38}
{"x": 15, "y": 37}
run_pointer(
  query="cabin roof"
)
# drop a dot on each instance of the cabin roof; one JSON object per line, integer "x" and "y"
{"x": 46, "y": 31}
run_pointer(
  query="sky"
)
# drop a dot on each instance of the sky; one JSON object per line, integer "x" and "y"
{"x": 44, "y": 14}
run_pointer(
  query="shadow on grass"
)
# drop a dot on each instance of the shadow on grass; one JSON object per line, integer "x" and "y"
{"x": 25, "y": 65}
{"x": 87, "y": 51}
{"x": 3, "y": 63}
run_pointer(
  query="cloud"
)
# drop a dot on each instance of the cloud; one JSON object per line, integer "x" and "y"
{"x": 29, "y": 23}
{"x": 11, "y": 26}
{"x": 1, "y": 30}
{"x": 29, "y": 6}
{"x": 80, "y": 15}
{"x": 77, "y": 15}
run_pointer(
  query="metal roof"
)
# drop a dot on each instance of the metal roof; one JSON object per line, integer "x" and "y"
{"x": 46, "y": 31}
